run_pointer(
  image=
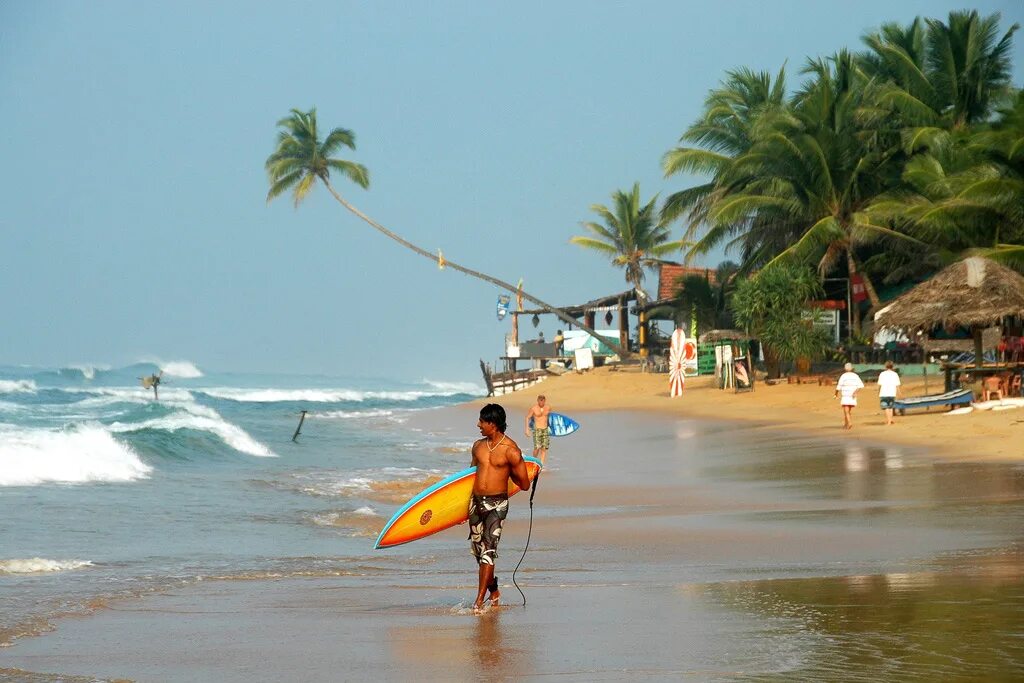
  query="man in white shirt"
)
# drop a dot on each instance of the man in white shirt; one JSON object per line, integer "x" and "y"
{"x": 846, "y": 391}
{"x": 888, "y": 390}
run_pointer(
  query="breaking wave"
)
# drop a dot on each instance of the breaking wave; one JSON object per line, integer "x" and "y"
{"x": 200, "y": 418}
{"x": 17, "y": 386}
{"x": 181, "y": 368}
{"x": 76, "y": 455}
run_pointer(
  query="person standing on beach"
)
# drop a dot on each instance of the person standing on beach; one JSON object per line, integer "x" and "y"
{"x": 846, "y": 390}
{"x": 888, "y": 390}
{"x": 497, "y": 459}
{"x": 540, "y": 430}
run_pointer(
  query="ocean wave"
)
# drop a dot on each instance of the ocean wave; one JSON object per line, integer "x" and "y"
{"x": 357, "y": 414}
{"x": 85, "y": 370}
{"x": 200, "y": 418}
{"x": 105, "y": 396}
{"x": 181, "y": 368}
{"x": 457, "y": 387}
{"x": 17, "y": 386}
{"x": 38, "y": 565}
{"x": 77, "y": 455}
{"x": 317, "y": 395}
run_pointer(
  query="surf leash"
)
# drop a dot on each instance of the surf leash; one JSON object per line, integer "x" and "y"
{"x": 533, "y": 492}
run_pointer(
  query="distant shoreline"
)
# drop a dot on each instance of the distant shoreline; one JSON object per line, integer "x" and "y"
{"x": 988, "y": 436}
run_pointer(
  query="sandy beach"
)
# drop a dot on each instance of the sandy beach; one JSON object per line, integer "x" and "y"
{"x": 980, "y": 435}
{"x": 665, "y": 546}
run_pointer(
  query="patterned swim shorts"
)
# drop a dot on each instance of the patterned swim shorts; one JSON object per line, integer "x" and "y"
{"x": 542, "y": 438}
{"x": 887, "y": 402}
{"x": 486, "y": 513}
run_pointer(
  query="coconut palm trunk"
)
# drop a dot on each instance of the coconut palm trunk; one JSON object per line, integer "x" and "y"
{"x": 869, "y": 289}
{"x": 300, "y": 158}
{"x": 562, "y": 315}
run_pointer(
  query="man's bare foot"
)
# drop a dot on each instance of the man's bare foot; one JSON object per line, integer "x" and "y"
{"x": 478, "y": 608}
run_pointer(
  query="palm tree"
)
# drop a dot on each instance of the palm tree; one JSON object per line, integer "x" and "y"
{"x": 630, "y": 234}
{"x": 726, "y": 130}
{"x": 301, "y": 158}
{"x": 798, "y": 192}
{"x": 940, "y": 76}
{"x": 963, "y": 192}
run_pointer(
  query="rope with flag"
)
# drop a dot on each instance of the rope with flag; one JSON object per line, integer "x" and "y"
{"x": 676, "y": 359}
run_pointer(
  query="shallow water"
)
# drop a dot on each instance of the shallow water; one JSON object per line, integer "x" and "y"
{"x": 661, "y": 549}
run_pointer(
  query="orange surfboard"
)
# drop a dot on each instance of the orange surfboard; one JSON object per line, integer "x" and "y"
{"x": 439, "y": 507}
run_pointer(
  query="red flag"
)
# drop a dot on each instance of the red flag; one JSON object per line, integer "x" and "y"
{"x": 857, "y": 285}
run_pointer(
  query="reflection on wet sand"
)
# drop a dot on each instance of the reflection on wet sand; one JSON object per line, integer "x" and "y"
{"x": 897, "y": 626}
{"x": 472, "y": 646}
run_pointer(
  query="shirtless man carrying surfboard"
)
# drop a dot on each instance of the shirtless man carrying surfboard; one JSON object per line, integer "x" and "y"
{"x": 541, "y": 429}
{"x": 497, "y": 459}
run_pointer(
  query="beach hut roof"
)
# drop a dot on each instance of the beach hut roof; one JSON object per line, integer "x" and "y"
{"x": 975, "y": 292}
{"x": 723, "y": 335}
{"x": 602, "y": 304}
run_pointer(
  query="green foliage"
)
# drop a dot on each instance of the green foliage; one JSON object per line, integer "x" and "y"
{"x": 630, "y": 234}
{"x": 769, "y": 306}
{"x": 884, "y": 157}
{"x": 301, "y": 158}
{"x": 696, "y": 297}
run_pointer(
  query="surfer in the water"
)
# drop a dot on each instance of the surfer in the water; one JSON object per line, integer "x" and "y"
{"x": 497, "y": 459}
{"x": 541, "y": 429}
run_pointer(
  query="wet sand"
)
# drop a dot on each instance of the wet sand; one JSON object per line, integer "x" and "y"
{"x": 981, "y": 435}
{"x": 663, "y": 548}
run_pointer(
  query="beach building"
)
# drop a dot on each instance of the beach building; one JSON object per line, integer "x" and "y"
{"x": 983, "y": 299}
{"x": 557, "y": 353}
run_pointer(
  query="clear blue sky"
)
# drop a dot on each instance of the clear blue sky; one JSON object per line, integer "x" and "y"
{"x": 132, "y": 214}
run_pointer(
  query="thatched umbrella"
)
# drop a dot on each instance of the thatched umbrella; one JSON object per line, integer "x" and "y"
{"x": 975, "y": 293}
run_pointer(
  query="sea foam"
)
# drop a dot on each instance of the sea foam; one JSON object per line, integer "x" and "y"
{"x": 182, "y": 369}
{"x": 38, "y": 565}
{"x": 86, "y": 453}
{"x": 17, "y": 386}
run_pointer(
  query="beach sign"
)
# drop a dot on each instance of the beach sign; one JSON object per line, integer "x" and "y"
{"x": 503, "y": 303}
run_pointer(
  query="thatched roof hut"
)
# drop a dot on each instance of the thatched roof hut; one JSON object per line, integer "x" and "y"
{"x": 723, "y": 335}
{"x": 974, "y": 293}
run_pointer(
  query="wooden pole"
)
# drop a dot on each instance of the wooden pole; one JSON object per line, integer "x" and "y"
{"x": 642, "y": 332}
{"x": 979, "y": 354}
{"x": 623, "y": 324}
{"x": 302, "y": 418}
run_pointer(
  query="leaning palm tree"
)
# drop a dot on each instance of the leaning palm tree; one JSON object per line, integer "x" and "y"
{"x": 630, "y": 234}
{"x": 301, "y": 158}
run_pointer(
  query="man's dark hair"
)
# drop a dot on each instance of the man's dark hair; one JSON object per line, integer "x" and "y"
{"x": 494, "y": 414}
